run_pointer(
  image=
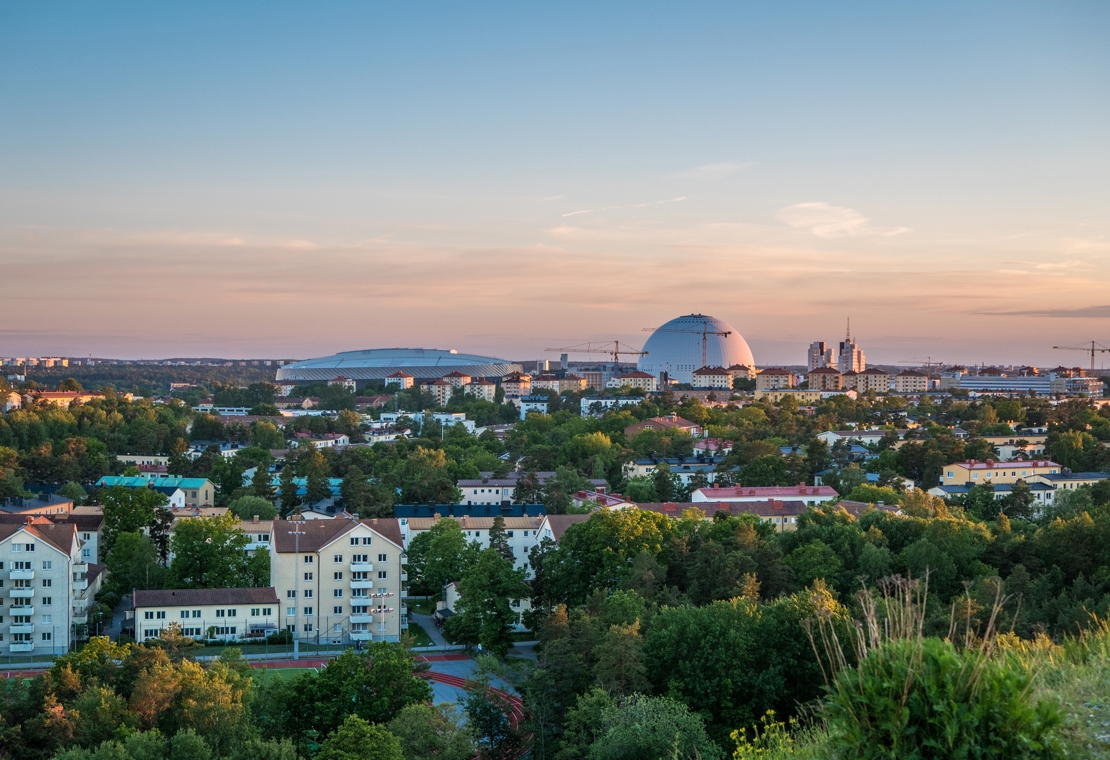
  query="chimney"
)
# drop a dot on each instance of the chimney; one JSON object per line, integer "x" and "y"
{"x": 256, "y": 518}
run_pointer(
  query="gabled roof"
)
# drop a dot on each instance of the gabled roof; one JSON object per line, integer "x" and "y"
{"x": 202, "y": 597}
{"x": 316, "y": 534}
{"x": 559, "y": 524}
{"x": 60, "y": 537}
{"x": 774, "y": 371}
{"x": 710, "y": 371}
{"x": 824, "y": 371}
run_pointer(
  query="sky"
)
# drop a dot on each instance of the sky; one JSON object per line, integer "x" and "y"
{"x": 281, "y": 179}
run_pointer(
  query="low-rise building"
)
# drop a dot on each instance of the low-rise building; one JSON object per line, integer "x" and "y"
{"x": 65, "y": 399}
{"x": 400, "y": 379}
{"x": 783, "y": 514}
{"x": 824, "y": 379}
{"x": 910, "y": 381}
{"x": 50, "y": 505}
{"x": 516, "y": 384}
{"x": 635, "y": 379}
{"x": 807, "y": 494}
{"x": 222, "y": 614}
{"x": 774, "y": 379}
{"x": 596, "y": 406}
{"x": 742, "y": 372}
{"x": 559, "y": 384}
{"x": 669, "y": 422}
{"x": 196, "y": 492}
{"x": 520, "y": 532}
{"x": 711, "y": 377}
{"x": 533, "y": 404}
{"x": 972, "y": 472}
{"x": 10, "y": 401}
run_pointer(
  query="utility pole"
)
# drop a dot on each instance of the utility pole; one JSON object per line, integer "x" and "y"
{"x": 296, "y": 588}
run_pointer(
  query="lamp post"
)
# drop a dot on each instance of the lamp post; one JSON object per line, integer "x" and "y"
{"x": 381, "y": 611}
{"x": 296, "y": 587}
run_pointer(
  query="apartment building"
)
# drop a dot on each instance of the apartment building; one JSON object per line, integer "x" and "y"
{"x": 712, "y": 377}
{"x": 206, "y": 613}
{"x": 636, "y": 379}
{"x": 976, "y": 473}
{"x": 196, "y": 492}
{"x": 808, "y": 495}
{"x": 774, "y": 379}
{"x": 825, "y": 379}
{"x": 339, "y": 580}
{"x": 910, "y": 381}
{"x": 44, "y": 586}
{"x": 522, "y": 532}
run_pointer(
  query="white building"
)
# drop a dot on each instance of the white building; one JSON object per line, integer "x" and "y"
{"x": 712, "y": 377}
{"x": 529, "y": 404}
{"x": 819, "y": 355}
{"x": 217, "y": 613}
{"x": 599, "y": 405}
{"x": 641, "y": 380}
{"x": 810, "y": 495}
{"x": 522, "y": 533}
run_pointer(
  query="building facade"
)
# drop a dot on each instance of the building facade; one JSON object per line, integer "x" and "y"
{"x": 819, "y": 356}
{"x": 824, "y": 379}
{"x": 712, "y": 377}
{"x": 774, "y": 379}
{"x": 221, "y": 614}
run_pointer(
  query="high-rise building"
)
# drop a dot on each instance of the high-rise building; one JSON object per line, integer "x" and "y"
{"x": 819, "y": 355}
{"x": 850, "y": 357}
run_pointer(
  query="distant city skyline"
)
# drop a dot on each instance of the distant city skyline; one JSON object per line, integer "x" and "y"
{"x": 291, "y": 180}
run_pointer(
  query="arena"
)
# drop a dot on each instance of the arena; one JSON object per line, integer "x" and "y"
{"x": 378, "y": 363}
{"x": 677, "y": 347}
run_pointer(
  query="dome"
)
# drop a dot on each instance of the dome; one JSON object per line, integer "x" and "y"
{"x": 378, "y": 363}
{"x": 676, "y": 347}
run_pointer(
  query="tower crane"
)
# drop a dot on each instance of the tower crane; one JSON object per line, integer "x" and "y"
{"x": 614, "y": 348}
{"x": 706, "y": 330}
{"x": 1094, "y": 348}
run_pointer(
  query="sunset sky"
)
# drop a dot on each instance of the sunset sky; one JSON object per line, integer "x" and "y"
{"x": 292, "y": 179}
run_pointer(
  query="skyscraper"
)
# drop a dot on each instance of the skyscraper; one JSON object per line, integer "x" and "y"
{"x": 819, "y": 355}
{"x": 850, "y": 358}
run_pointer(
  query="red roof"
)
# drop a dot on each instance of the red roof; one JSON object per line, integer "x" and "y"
{"x": 399, "y": 373}
{"x": 456, "y": 373}
{"x": 767, "y": 492}
{"x": 635, "y": 374}
{"x": 825, "y": 371}
{"x": 990, "y": 464}
{"x": 711, "y": 371}
{"x": 774, "y": 371}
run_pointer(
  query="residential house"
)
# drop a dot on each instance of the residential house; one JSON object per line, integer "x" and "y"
{"x": 441, "y": 390}
{"x": 742, "y": 372}
{"x": 872, "y": 379}
{"x": 520, "y": 532}
{"x": 558, "y": 384}
{"x": 533, "y": 404}
{"x": 516, "y": 384}
{"x": 43, "y": 504}
{"x": 801, "y": 492}
{"x": 597, "y": 405}
{"x": 482, "y": 388}
{"x": 783, "y": 514}
{"x": 712, "y": 377}
{"x": 196, "y": 492}
{"x": 972, "y": 472}
{"x": 669, "y": 422}
{"x": 457, "y": 379}
{"x": 223, "y": 614}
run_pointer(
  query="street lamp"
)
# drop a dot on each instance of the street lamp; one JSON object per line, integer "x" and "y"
{"x": 381, "y": 611}
{"x": 296, "y": 587}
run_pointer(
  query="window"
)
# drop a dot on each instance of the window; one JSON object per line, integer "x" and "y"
{"x": 292, "y": 628}
{"x": 354, "y": 541}
{"x": 225, "y": 630}
{"x": 190, "y": 632}
{"x": 308, "y": 610}
{"x": 359, "y": 592}
{"x": 308, "y": 627}
{"x": 47, "y": 601}
{"x": 309, "y": 559}
{"x": 160, "y": 614}
{"x": 86, "y": 536}
{"x": 150, "y": 633}
{"x": 47, "y": 583}
{"x": 196, "y": 613}
{"x": 264, "y": 538}
{"x": 308, "y": 576}
{"x": 337, "y": 559}
{"x": 291, "y": 611}
{"x": 291, "y": 594}
{"x": 383, "y": 558}
{"x": 360, "y": 610}
{"x": 47, "y": 565}
{"x": 255, "y": 611}
{"x": 47, "y": 635}
{"x": 337, "y": 628}
{"x": 509, "y": 533}
{"x": 514, "y": 603}
{"x": 337, "y": 609}
{"x": 337, "y": 576}
{"x": 338, "y": 593}
{"x": 365, "y": 542}
{"x": 360, "y": 576}
{"x": 184, "y": 614}
{"x": 267, "y": 611}
{"x": 381, "y": 574}
{"x": 148, "y": 615}
{"x": 359, "y": 559}
{"x": 307, "y": 593}
{"x": 219, "y": 613}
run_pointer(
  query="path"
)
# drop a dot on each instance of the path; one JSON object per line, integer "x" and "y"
{"x": 428, "y": 623}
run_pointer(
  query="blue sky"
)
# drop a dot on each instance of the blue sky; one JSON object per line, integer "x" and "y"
{"x": 287, "y": 179}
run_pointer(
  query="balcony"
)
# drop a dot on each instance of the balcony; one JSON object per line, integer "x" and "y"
{"x": 81, "y": 618}
{"x": 354, "y": 584}
{"x": 358, "y": 636}
{"x": 80, "y": 584}
{"x": 23, "y": 646}
{"x": 361, "y": 567}
{"x": 81, "y": 566}
{"x": 404, "y": 576}
{"x": 23, "y": 575}
{"x": 362, "y": 618}
{"x": 23, "y": 628}
{"x": 22, "y": 593}
{"x": 21, "y": 609}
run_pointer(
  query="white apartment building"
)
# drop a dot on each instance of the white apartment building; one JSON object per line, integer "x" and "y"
{"x": 339, "y": 580}
{"x": 521, "y": 532}
{"x": 206, "y": 613}
{"x": 636, "y": 379}
{"x": 44, "y": 586}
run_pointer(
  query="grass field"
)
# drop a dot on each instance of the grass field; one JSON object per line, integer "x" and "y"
{"x": 420, "y": 636}
{"x": 422, "y": 606}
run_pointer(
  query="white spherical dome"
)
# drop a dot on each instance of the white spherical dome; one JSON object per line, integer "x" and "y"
{"x": 676, "y": 347}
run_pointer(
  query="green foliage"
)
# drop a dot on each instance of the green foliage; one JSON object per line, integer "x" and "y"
{"x": 917, "y": 699}
{"x": 249, "y": 507}
{"x": 133, "y": 564}
{"x": 432, "y": 731}
{"x": 484, "y": 614}
{"x": 438, "y": 556}
{"x": 127, "y": 510}
{"x": 874, "y": 495}
{"x": 210, "y": 553}
{"x": 356, "y": 739}
{"x": 636, "y": 727}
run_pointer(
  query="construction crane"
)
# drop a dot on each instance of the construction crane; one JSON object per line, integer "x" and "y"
{"x": 706, "y": 330}
{"x": 928, "y": 362}
{"x": 1094, "y": 348}
{"x": 613, "y": 348}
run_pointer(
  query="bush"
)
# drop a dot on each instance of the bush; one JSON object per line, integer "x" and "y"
{"x": 926, "y": 698}
{"x": 281, "y": 637}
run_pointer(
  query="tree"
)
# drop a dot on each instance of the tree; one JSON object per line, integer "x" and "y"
{"x": 425, "y": 478}
{"x": 764, "y": 471}
{"x": 358, "y": 740}
{"x": 558, "y": 490}
{"x": 133, "y": 563}
{"x": 643, "y": 727}
{"x": 103, "y": 715}
{"x": 70, "y": 384}
{"x": 448, "y": 555}
{"x": 487, "y": 714}
{"x": 484, "y": 614}
{"x": 317, "y": 487}
{"x": 265, "y": 435}
{"x": 290, "y": 499}
{"x": 127, "y": 510}
{"x": 432, "y": 731}
{"x": 499, "y": 539}
{"x": 209, "y": 553}
{"x": 355, "y": 491}
{"x": 73, "y": 490}
{"x": 620, "y": 668}
{"x": 641, "y": 489}
{"x": 262, "y": 484}
{"x": 249, "y": 507}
